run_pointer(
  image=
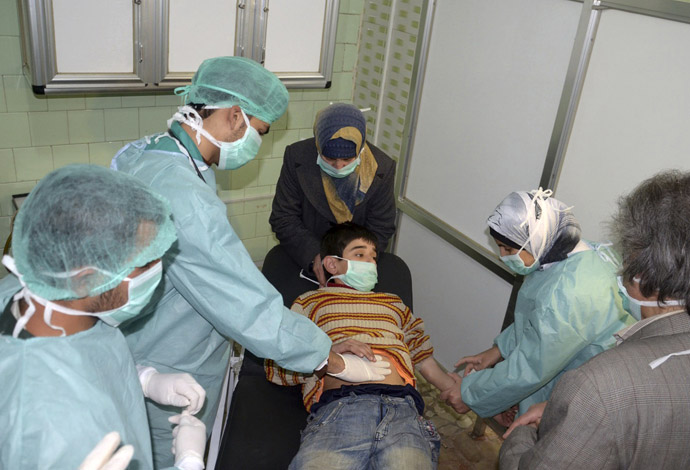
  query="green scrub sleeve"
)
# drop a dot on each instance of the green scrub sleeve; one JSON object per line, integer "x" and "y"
{"x": 543, "y": 352}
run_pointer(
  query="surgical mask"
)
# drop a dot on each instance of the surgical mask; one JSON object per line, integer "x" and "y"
{"x": 238, "y": 153}
{"x": 335, "y": 173}
{"x": 140, "y": 290}
{"x": 515, "y": 264}
{"x": 360, "y": 275}
{"x": 234, "y": 154}
{"x": 634, "y": 306}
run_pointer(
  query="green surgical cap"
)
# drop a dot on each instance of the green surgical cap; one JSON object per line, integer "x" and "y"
{"x": 84, "y": 228}
{"x": 224, "y": 82}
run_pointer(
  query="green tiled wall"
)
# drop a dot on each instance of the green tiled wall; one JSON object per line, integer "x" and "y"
{"x": 383, "y": 77}
{"x": 39, "y": 134}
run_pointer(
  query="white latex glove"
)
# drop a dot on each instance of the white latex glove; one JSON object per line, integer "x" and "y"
{"x": 189, "y": 441}
{"x": 360, "y": 369}
{"x": 172, "y": 389}
{"x": 102, "y": 458}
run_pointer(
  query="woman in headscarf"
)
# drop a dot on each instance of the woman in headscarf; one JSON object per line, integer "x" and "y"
{"x": 566, "y": 312}
{"x": 334, "y": 177}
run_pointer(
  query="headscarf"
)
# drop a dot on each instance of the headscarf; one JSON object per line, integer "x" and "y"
{"x": 534, "y": 221}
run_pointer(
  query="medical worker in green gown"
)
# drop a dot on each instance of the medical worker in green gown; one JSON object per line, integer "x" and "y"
{"x": 213, "y": 292}
{"x": 86, "y": 252}
{"x": 567, "y": 309}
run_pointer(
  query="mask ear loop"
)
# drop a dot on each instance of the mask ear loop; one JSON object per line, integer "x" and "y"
{"x": 338, "y": 276}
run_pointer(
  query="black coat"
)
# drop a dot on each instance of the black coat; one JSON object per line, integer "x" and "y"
{"x": 301, "y": 214}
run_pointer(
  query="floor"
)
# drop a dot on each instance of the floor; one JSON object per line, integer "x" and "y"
{"x": 459, "y": 451}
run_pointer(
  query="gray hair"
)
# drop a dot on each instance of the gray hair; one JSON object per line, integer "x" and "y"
{"x": 652, "y": 230}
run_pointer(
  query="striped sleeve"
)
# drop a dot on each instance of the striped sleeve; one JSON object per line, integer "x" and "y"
{"x": 416, "y": 339}
{"x": 280, "y": 376}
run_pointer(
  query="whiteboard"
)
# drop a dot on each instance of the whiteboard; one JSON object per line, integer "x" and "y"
{"x": 294, "y": 35}
{"x": 633, "y": 116}
{"x": 491, "y": 88}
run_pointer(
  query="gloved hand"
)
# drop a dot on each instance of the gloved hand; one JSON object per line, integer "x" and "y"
{"x": 102, "y": 458}
{"x": 189, "y": 441}
{"x": 172, "y": 389}
{"x": 360, "y": 369}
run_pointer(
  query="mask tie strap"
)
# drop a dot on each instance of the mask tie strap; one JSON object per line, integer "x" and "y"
{"x": 22, "y": 320}
{"x": 657, "y": 362}
{"x": 48, "y": 315}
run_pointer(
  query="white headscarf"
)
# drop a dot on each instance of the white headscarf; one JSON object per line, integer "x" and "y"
{"x": 533, "y": 220}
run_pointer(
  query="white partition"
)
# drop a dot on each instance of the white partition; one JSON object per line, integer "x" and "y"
{"x": 633, "y": 116}
{"x": 491, "y": 89}
{"x": 461, "y": 302}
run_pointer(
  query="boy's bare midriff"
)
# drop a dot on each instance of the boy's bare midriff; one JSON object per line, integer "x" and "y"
{"x": 393, "y": 378}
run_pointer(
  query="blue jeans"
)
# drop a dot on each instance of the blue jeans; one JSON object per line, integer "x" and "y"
{"x": 368, "y": 432}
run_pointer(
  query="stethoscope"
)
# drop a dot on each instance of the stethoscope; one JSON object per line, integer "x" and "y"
{"x": 184, "y": 150}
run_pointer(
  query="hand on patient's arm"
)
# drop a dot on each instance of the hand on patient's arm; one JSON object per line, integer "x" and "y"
{"x": 531, "y": 418}
{"x": 317, "y": 267}
{"x": 453, "y": 395}
{"x": 480, "y": 361}
{"x": 446, "y": 383}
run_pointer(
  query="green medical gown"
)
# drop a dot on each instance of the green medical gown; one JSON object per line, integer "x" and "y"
{"x": 61, "y": 395}
{"x": 564, "y": 315}
{"x": 213, "y": 291}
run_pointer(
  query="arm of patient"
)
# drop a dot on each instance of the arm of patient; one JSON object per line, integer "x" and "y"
{"x": 436, "y": 376}
{"x": 445, "y": 382}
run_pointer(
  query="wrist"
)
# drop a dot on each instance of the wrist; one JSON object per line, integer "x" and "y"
{"x": 336, "y": 364}
{"x": 190, "y": 462}
{"x": 145, "y": 373}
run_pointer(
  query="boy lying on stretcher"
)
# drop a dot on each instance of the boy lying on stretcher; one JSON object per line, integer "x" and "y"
{"x": 378, "y": 423}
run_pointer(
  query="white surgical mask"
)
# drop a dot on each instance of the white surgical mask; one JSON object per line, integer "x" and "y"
{"x": 233, "y": 154}
{"x": 338, "y": 173}
{"x": 360, "y": 275}
{"x": 139, "y": 293}
{"x": 515, "y": 264}
{"x": 634, "y": 306}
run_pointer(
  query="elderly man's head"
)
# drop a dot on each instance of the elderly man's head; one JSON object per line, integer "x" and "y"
{"x": 652, "y": 230}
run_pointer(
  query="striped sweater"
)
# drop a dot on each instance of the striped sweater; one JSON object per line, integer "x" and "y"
{"x": 379, "y": 320}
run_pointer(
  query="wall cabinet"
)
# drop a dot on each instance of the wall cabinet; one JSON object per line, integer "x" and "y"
{"x": 96, "y": 46}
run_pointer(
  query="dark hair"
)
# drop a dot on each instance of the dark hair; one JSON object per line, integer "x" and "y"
{"x": 206, "y": 112}
{"x": 339, "y": 236}
{"x": 203, "y": 112}
{"x": 652, "y": 230}
{"x": 563, "y": 245}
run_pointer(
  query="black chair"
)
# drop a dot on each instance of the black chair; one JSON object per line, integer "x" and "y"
{"x": 265, "y": 420}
